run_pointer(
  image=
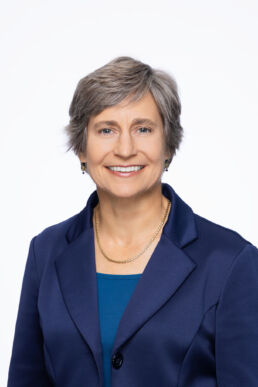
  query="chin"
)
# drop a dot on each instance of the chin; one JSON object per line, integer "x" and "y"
{"x": 129, "y": 191}
{"x": 123, "y": 190}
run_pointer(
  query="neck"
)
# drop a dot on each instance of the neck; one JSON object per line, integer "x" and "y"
{"x": 125, "y": 222}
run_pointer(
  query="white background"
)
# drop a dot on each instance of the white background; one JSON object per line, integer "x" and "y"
{"x": 210, "y": 47}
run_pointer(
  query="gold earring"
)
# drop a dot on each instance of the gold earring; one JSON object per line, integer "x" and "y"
{"x": 166, "y": 165}
{"x": 84, "y": 167}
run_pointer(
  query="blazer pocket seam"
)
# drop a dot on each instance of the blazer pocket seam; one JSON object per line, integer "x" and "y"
{"x": 194, "y": 336}
{"x": 50, "y": 362}
{"x": 229, "y": 272}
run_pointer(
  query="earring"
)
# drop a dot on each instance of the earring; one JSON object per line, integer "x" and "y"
{"x": 84, "y": 167}
{"x": 166, "y": 165}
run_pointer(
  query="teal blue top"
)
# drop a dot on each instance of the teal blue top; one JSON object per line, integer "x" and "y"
{"x": 114, "y": 292}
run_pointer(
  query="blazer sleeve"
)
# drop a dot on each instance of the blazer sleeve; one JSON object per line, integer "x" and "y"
{"x": 236, "y": 343}
{"x": 27, "y": 367}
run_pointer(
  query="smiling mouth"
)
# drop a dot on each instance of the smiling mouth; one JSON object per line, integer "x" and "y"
{"x": 127, "y": 169}
{"x": 126, "y": 172}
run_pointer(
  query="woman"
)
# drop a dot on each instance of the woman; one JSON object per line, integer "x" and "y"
{"x": 135, "y": 290}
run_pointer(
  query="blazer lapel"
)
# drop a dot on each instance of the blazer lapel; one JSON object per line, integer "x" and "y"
{"x": 167, "y": 269}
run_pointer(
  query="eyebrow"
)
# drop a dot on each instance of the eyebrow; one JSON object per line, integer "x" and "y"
{"x": 136, "y": 121}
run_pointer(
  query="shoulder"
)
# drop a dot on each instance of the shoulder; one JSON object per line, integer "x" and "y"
{"x": 52, "y": 240}
{"x": 218, "y": 245}
{"x": 56, "y": 231}
{"x": 217, "y": 233}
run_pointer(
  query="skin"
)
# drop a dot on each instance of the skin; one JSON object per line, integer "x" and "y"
{"x": 130, "y": 209}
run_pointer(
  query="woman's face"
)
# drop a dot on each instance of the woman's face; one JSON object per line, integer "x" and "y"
{"x": 126, "y": 135}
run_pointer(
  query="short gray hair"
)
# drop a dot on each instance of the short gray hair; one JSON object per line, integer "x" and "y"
{"x": 110, "y": 84}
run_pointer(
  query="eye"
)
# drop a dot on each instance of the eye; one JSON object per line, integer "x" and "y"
{"x": 144, "y": 128}
{"x": 104, "y": 129}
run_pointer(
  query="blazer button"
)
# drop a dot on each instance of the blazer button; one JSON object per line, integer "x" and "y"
{"x": 117, "y": 360}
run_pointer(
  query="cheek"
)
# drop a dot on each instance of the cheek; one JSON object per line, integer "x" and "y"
{"x": 96, "y": 151}
{"x": 153, "y": 150}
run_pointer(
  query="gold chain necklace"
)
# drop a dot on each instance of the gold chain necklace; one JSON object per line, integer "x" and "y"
{"x": 136, "y": 256}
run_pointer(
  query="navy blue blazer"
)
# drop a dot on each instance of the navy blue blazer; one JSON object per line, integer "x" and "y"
{"x": 192, "y": 320}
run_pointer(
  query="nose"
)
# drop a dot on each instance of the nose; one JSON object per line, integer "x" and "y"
{"x": 125, "y": 145}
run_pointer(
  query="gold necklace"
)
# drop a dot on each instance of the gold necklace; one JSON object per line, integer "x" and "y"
{"x": 136, "y": 256}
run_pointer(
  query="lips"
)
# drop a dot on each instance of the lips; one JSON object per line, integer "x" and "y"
{"x": 125, "y": 173}
{"x": 125, "y": 169}
{"x": 125, "y": 166}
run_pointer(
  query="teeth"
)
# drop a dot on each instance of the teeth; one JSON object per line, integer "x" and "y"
{"x": 124, "y": 169}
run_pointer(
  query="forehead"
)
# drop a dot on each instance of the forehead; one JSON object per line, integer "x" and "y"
{"x": 146, "y": 108}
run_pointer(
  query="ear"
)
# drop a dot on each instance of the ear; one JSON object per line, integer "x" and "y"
{"x": 82, "y": 157}
{"x": 168, "y": 156}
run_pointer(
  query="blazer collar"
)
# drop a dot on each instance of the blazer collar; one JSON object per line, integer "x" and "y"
{"x": 167, "y": 269}
{"x": 180, "y": 227}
